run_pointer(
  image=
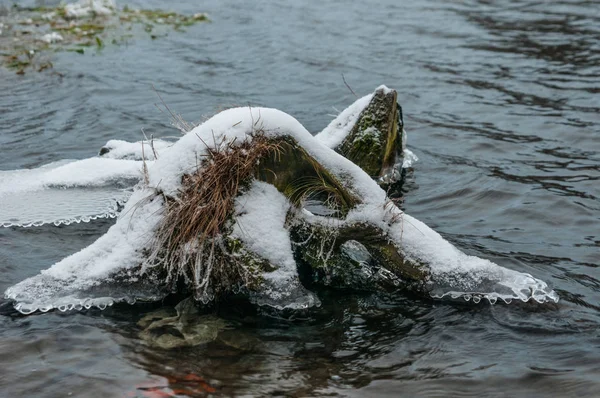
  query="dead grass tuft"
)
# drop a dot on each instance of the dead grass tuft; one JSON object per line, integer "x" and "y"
{"x": 191, "y": 241}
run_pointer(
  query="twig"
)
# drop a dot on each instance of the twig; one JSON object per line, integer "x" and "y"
{"x": 144, "y": 165}
{"x": 349, "y": 88}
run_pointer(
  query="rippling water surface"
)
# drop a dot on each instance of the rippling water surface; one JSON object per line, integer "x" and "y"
{"x": 502, "y": 105}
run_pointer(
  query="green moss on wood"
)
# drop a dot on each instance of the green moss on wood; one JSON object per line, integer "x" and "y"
{"x": 374, "y": 142}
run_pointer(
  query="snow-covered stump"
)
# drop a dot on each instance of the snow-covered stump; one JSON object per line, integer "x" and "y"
{"x": 230, "y": 207}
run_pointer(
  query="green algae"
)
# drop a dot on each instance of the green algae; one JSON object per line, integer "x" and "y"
{"x": 25, "y": 44}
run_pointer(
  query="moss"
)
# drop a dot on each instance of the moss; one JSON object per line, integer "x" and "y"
{"x": 374, "y": 142}
{"x": 254, "y": 263}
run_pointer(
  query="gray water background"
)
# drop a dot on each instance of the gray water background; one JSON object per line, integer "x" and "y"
{"x": 501, "y": 102}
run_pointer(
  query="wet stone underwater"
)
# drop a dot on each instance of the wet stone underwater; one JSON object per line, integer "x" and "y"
{"x": 501, "y": 104}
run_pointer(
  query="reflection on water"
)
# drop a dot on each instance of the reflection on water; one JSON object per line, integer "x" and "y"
{"x": 501, "y": 104}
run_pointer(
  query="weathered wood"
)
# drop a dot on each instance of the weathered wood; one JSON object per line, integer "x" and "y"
{"x": 378, "y": 263}
{"x": 299, "y": 176}
{"x": 375, "y": 141}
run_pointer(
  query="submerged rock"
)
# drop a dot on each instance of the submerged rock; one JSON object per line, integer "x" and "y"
{"x": 182, "y": 326}
{"x": 185, "y": 326}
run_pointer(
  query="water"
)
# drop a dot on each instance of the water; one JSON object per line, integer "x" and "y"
{"x": 501, "y": 102}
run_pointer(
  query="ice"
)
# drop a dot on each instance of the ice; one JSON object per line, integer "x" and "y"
{"x": 61, "y": 206}
{"x": 109, "y": 269}
{"x": 409, "y": 159}
{"x": 66, "y": 191}
{"x": 456, "y": 274}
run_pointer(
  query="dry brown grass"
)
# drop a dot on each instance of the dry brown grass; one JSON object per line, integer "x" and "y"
{"x": 189, "y": 241}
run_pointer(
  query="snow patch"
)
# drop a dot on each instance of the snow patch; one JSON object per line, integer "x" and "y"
{"x": 51, "y": 38}
{"x": 339, "y": 128}
{"x": 149, "y": 150}
{"x": 91, "y": 172}
{"x": 260, "y": 218}
{"x": 87, "y": 8}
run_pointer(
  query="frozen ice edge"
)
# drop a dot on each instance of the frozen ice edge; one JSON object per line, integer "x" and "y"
{"x": 73, "y": 304}
{"x": 73, "y": 220}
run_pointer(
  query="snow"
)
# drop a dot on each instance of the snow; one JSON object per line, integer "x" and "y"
{"x": 260, "y": 215}
{"x": 51, "y": 38}
{"x": 118, "y": 149}
{"x": 69, "y": 173}
{"x": 417, "y": 240}
{"x": 457, "y": 274}
{"x": 86, "y": 8}
{"x": 339, "y": 128}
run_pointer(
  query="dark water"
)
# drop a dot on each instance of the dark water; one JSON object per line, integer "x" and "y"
{"x": 502, "y": 104}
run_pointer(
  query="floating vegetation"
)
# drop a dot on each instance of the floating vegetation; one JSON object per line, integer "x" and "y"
{"x": 29, "y": 35}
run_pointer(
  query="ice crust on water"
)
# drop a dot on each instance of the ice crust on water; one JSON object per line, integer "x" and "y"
{"x": 107, "y": 265}
{"x": 61, "y": 206}
{"x": 79, "y": 190}
{"x": 80, "y": 278}
{"x": 66, "y": 191}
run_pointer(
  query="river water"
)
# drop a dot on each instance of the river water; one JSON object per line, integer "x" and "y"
{"x": 501, "y": 102}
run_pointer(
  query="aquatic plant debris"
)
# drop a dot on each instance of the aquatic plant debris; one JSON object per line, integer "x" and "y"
{"x": 29, "y": 35}
{"x": 262, "y": 230}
